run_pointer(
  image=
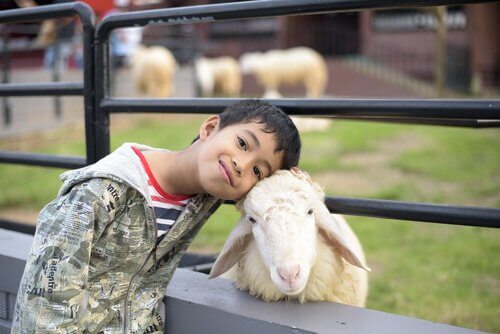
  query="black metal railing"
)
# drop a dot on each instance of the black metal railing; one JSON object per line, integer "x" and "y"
{"x": 465, "y": 113}
{"x": 87, "y": 17}
{"x": 468, "y": 113}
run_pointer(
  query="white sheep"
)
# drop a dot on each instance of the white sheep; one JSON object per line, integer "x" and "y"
{"x": 287, "y": 245}
{"x": 299, "y": 65}
{"x": 153, "y": 69}
{"x": 218, "y": 76}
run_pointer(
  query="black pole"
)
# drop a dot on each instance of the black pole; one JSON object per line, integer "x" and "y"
{"x": 56, "y": 75}
{"x": 7, "y": 119}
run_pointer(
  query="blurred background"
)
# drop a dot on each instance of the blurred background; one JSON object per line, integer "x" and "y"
{"x": 436, "y": 272}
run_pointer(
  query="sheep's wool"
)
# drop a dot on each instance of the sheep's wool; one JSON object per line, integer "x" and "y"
{"x": 153, "y": 70}
{"x": 335, "y": 264}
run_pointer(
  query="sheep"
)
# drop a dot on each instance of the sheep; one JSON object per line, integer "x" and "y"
{"x": 287, "y": 245}
{"x": 218, "y": 77}
{"x": 299, "y": 65}
{"x": 153, "y": 71}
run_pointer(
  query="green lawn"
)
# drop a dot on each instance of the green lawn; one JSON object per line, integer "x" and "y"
{"x": 437, "y": 272}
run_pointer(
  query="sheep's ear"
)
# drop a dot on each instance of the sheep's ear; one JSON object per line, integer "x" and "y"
{"x": 304, "y": 176}
{"x": 233, "y": 248}
{"x": 333, "y": 232}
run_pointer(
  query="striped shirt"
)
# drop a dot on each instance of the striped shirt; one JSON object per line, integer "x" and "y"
{"x": 166, "y": 207}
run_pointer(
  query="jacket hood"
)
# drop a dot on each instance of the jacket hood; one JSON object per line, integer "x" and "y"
{"x": 122, "y": 165}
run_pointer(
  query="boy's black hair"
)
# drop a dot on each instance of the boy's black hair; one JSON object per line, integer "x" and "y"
{"x": 273, "y": 119}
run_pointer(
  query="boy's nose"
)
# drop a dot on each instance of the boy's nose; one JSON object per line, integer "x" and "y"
{"x": 242, "y": 164}
{"x": 236, "y": 168}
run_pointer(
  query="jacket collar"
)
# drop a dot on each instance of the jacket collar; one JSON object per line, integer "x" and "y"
{"x": 122, "y": 165}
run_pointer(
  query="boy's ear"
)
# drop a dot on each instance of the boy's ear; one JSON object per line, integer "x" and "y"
{"x": 209, "y": 126}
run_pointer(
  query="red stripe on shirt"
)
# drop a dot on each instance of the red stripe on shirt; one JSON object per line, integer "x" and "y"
{"x": 155, "y": 184}
{"x": 166, "y": 200}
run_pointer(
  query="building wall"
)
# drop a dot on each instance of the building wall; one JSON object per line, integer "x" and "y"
{"x": 410, "y": 50}
{"x": 483, "y": 30}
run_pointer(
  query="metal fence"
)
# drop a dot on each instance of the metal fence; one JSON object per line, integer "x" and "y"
{"x": 85, "y": 88}
{"x": 468, "y": 113}
{"x": 98, "y": 105}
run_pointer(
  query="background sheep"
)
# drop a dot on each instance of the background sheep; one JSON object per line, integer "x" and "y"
{"x": 300, "y": 65}
{"x": 287, "y": 245}
{"x": 217, "y": 77}
{"x": 153, "y": 71}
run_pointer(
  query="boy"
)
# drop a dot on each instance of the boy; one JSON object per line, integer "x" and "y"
{"x": 107, "y": 246}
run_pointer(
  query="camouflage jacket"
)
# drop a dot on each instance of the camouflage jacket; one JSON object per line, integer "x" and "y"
{"x": 95, "y": 265}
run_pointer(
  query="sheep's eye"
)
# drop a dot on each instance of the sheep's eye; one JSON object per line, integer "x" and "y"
{"x": 310, "y": 212}
{"x": 252, "y": 220}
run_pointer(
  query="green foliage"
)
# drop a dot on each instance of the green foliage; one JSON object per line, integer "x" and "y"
{"x": 31, "y": 187}
{"x": 468, "y": 157}
{"x": 437, "y": 272}
{"x": 321, "y": 150}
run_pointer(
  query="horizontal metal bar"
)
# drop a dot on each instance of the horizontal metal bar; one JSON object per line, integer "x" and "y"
{"x": 488, "y": 123}
{"x": 433, "y": 213}
{"x": 254, "y": 9}
{"x": 24, "y": 227}
{"x": 41, "y": 89}
{"x": 394, "y": 108}
{"x": 464, "y": 123}
{"x": 48, "y": 12}
{"x": 42, "y": 159}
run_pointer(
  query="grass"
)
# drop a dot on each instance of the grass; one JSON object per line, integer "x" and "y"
{"x": 436, "y": 272}
{"x": 474, "y": 161}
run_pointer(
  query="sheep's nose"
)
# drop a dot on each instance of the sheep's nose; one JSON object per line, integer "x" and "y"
{"x": 289, "y": 273}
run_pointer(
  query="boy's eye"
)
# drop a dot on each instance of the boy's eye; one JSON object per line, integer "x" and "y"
{"x": 257, "y": 172}
{"x": 242, "y": 143}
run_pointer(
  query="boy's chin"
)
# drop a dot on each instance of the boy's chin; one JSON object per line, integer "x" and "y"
{"x": 226, "y": 196}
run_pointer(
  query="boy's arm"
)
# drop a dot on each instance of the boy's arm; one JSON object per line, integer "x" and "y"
{"x": 53, "y": 295}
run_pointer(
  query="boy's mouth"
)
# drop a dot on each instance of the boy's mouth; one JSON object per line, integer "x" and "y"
{"x": 226, "y": 173}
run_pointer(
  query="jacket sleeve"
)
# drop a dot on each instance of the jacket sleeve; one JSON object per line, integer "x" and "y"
{"x": 53, "y": 294}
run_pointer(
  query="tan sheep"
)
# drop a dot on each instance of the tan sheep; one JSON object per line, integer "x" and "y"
{"x": 218, "y": 77}
{"x": 153, "y": 69}
{"x": 300, "y": 65}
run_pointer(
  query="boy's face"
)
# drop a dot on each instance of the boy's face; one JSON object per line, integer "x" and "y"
{"x": 235, "y": 158}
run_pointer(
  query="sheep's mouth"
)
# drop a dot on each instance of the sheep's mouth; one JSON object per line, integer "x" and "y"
{"x": 288, "y": 288}
{"x": 226, "y": 173}
{"x": 289, "y": 291}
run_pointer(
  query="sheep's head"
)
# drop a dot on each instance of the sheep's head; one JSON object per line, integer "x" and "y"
{"x": 283, "y": 213}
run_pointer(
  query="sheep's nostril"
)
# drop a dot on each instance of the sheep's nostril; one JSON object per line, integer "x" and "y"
{"x": 289, "y": 273}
